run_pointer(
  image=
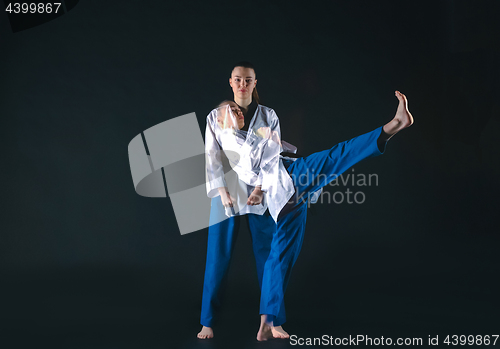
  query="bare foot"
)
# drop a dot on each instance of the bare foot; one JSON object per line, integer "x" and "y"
{"x": 265, "y": 330}
{"x": 279, "y": 332}
{"x": 205, "y": 333}
{"x": 402, "y": 119}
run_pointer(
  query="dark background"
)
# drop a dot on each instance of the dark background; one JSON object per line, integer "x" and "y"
{"x": 88, "y": 263}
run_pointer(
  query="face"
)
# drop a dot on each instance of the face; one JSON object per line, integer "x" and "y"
{"x": 243, "y": 82}
{"x": 225, "y": 119}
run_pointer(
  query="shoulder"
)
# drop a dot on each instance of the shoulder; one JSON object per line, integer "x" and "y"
{"x": 212, "y": 115}
{"x": 265, "y": 109}
{"x": 270, "y": 113}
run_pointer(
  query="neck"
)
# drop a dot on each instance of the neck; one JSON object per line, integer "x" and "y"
{"x": 243, "y": 102}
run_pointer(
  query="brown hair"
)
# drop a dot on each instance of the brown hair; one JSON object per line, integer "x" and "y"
{"x": 226, "y": 101}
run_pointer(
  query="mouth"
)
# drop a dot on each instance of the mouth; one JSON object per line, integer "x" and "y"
{"x": 243, "y": 91}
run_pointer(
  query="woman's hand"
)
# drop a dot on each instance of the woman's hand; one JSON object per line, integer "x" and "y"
{"x": 227, "y": 199}
{"x": 256, "y": 197}
{"x": 264, "y": 132}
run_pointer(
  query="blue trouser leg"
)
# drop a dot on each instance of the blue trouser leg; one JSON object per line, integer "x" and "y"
{"x": 309, "y": 175}
{"x": 262, "y": 229}
{"x": 221, "y": 239}
{"x": 285, "y": 248}
{"x": 317, "y": 170}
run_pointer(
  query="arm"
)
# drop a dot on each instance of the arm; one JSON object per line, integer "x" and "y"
{"x": 273, "y": 146}
{"x": 213, "y": 161}
{"x": 272, "y": 133}
{"x": 216, "y": 184}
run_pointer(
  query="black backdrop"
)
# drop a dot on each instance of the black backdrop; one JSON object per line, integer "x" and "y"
{"x": 88, "y": 263}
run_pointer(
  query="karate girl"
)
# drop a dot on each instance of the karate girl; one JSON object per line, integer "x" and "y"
{"x": 289, "y": 184}
{"x": 260, "y": 169}
{"x": 234, "y": 182}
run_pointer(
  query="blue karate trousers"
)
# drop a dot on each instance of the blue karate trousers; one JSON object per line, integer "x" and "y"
{"x": 221, "y": 239}
{"x": 309, "y": 174}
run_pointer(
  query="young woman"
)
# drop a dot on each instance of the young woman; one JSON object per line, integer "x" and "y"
{"x": 260, "y": 166}
{"x": 236, "y": 190}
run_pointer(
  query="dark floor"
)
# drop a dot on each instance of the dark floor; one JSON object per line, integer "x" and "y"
{"x": 117, "y": 309}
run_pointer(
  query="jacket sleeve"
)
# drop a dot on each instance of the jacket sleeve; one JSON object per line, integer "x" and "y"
{"x": 271, "y": 150}
{"x": 213, "y": 159}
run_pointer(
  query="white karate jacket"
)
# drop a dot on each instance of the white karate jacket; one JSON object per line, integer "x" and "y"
{"x": 241, "y": 160}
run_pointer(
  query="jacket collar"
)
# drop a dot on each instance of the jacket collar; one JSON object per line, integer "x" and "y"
{"x": 249, "y": 112}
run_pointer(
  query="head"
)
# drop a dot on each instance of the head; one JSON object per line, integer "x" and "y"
{"x": 228, "y": 114}
{"x": 243, "y": 81}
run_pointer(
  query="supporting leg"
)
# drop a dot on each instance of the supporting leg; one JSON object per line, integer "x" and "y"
{"x": 263, "y": 229}
{"x": 285, "y": 249}
{"x": 221, "y": 239}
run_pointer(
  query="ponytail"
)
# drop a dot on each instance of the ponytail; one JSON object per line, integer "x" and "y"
{"x": 255, "y": 96}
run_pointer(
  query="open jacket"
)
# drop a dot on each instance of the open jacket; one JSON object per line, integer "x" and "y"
{"x": 241, "y": 160}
